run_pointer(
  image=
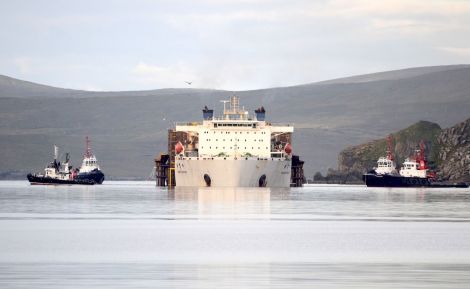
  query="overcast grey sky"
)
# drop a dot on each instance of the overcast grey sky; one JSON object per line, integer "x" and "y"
{"x": 224, "y": 44}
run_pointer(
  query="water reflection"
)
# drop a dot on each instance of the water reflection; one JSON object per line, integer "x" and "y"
{"x": 265, "y": 275}
{"x": 144, "y": 200}
{"x": 223, "y": 201}
{"x": 131, "y": 235}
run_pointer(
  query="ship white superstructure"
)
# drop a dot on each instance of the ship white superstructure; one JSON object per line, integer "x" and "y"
{"x": 89, "y": 162}
{"x": 234, "y": 150}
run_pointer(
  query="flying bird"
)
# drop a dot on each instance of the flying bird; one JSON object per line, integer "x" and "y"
{"x": 189, "y": 82}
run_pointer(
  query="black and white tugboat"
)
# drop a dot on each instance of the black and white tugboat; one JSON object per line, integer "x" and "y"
{"x": 90, "y": 171}
{"x": 57, "y": 173}
{"x": 63, "y": 174}
{"x": 414, "y": 172}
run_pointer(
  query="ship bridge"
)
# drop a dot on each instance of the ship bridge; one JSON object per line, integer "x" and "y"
{"x": 234, "y": 134}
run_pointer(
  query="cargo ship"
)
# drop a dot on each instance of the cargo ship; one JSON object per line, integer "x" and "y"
{"x": 236, "y": 149}
{"x": 63, "y": 173}
{"x": 413, "y": 173}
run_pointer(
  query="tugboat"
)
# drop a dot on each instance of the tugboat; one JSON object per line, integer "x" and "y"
{"x": 90, "y": 171}
{"x": 414, "y": 172}
{"x": 57, "y": 173}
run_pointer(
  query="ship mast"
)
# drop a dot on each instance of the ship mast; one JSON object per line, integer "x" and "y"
{"x": 87, "y": 147}
{"x": 56, "y": 152}
{"x": 389, "y": 148}
{"x": 234, "y": 111}
{"x": 420, "y": 157}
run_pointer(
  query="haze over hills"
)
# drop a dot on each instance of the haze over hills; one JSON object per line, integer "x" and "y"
{"x": 129, "y": 128}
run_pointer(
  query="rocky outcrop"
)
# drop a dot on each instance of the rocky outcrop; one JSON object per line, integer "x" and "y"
{"x": 362, "y": 158}
{"x": 454, "y": 154}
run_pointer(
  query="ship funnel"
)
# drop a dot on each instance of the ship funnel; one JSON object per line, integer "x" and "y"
{"x": 260, "y": 114}
{"x": 207, "y": 114}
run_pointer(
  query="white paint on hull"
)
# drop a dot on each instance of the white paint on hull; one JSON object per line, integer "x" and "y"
{"x": 232, "y": 172}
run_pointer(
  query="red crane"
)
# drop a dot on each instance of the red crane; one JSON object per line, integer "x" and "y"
{"x": 420, "y": 158}
{"x": 389, "y": 147}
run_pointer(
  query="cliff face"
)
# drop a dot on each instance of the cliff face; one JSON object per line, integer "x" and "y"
{"x": 454, "y": 153}
{"x": 364, "y": 157}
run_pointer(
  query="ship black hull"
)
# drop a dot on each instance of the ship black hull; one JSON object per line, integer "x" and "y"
{"x": 374, "y": 180}
{"x": 95, "y": 176}
{"x": 39, "y": 180}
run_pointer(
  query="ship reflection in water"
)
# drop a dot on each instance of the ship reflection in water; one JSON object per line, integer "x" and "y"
{"x": 133, "y": 235}
{"x": 215, "y": 202}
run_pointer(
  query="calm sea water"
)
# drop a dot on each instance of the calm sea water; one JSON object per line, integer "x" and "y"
{"x": 134, "y": 235}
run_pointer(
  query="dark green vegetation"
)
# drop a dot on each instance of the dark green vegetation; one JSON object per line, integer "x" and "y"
{"x": 129, "y": 128}
{"x": 404, "y": 144}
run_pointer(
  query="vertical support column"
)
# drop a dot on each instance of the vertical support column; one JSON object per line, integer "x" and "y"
{"x": 171, "y": 177}
{"x": 297, "y": 172}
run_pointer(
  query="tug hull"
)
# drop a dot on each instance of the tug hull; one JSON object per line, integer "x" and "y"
{"x": 376, "y": 180}
{"x": 41, "y": 180}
